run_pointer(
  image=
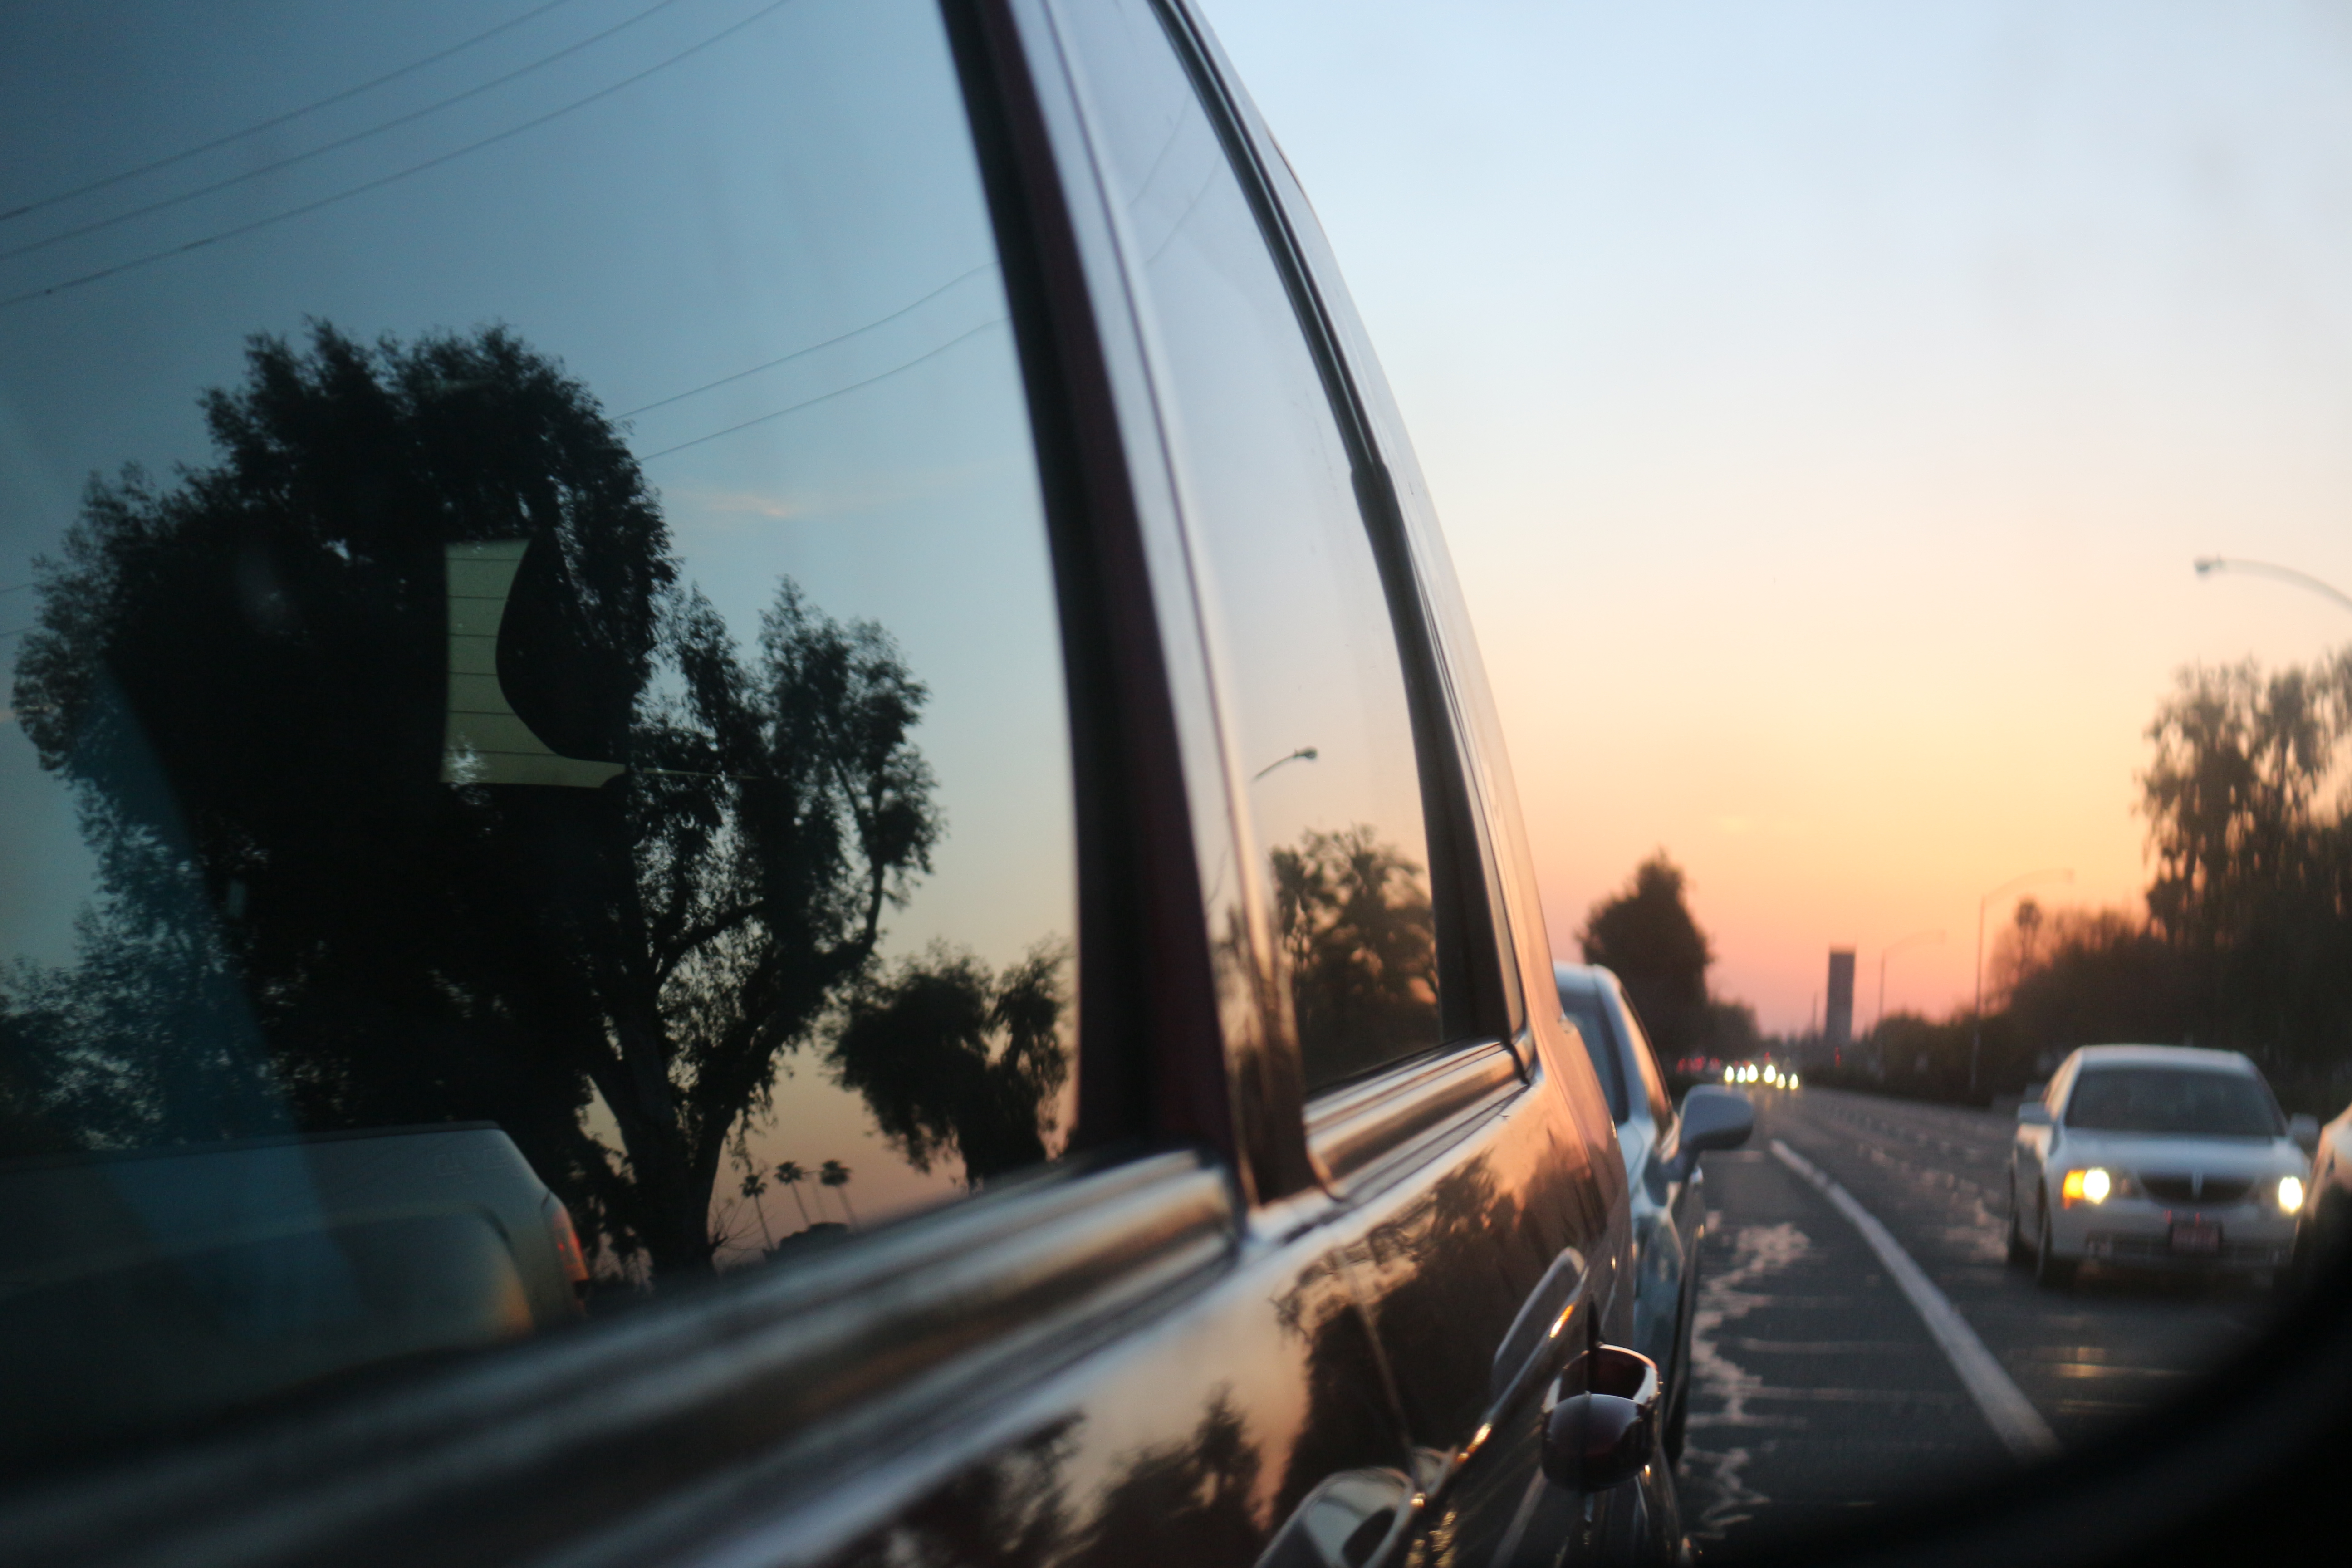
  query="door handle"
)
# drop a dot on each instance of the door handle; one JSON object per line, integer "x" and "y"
{"x": 1344, "y": 1522}
{"x": 1608, "y": 1434}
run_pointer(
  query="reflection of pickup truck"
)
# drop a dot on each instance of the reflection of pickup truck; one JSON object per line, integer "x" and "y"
{"x": 176, "y": 1283}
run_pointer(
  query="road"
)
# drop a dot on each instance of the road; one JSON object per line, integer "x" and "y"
{"x": 1820, "y": 1389}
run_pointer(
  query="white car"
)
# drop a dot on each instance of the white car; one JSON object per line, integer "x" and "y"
{"x": 2156, "y": 1157}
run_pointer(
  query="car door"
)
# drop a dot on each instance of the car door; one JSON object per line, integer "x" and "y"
{"x": 1006, "y": 1248}
{"x": 1670, "y": 1209}
{"x": 1470, "y": 1138}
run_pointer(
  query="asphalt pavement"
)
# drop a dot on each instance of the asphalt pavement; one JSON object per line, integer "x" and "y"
{"x": 1825, "y": 1384}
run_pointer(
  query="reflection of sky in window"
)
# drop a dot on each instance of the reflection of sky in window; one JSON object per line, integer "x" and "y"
{"x": 1295, "y": 599}
{"x": 783, "y": 186}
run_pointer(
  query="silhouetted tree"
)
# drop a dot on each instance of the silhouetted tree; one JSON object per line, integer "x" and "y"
{"x": 2097, "y": 976}
{"x": 834, "y": 1175}
{"x": 791, "y": 1174}
{"x": 1182, "y": 1503}
{"x": 1353, "y": 916}
{"x": 1731, "y": 1032}
{"x": 309, "y": 918}
{"x": 1646, "y": 935}
{"x": 2253, "y": 875}
{"x": 953, "y": 1058}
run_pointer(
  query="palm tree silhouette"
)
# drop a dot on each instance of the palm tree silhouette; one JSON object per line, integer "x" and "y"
{"x": 755, "y": 1187}
{"x": 835, "y": 1175}
{"x": 792, "y": 1174}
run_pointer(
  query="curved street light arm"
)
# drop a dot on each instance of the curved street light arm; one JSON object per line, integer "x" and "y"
{"x": 2209, "y": 564}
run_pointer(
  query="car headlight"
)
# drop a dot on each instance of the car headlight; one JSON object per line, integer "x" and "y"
{"x": 2290, "y": 1195}
{"x": 2085, "y": 1186}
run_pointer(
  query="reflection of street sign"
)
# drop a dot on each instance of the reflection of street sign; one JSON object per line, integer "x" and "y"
{"x": 485, "y": 741}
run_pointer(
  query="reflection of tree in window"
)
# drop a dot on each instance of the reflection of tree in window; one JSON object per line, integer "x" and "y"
{"x": 1354, "y": 918}
{"x": 312, "y": 917}
{"x": 953, "y": 1058}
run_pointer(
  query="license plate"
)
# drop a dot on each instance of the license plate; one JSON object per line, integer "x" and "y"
{"x": 2197, "y": 1237}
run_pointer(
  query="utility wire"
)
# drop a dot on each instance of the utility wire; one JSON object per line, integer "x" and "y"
{"x": 829, "y": 396}
{"x": 162, "y": 203}
{"x": 803, "y": 354}
{"x": 254, "y": 130}
{"x": 378, "y": 183}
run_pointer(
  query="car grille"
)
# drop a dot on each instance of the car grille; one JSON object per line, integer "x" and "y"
{"x": 2157, "y": 1251}
{"x": 2217, "y": 1190}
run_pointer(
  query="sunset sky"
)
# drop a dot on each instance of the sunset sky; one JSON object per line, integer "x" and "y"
{"x": 1826, "y": 404}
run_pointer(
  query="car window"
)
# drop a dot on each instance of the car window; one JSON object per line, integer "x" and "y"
{"x": 2172, "y": 1100}
{"x": 1645, "y": 1061}
{"x": 1583, "y": 1009}
{"x": 537, "y": 768}
{"x": 1317, "y": 692}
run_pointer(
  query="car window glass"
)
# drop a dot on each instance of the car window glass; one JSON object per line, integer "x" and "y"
{"x": 537, "y": 767}
{"x": 1645, "y": 1061}
{"x": 1316, "y": 694}
{"x": 1583, "y": 1009}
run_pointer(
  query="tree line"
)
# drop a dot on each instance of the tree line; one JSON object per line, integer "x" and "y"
{"x": 2244, "y": 941}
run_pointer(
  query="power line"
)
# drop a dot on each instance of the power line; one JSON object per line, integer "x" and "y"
{"x": 829, "y": 396}
{"x": 256, "y": 128}
{"x": 803, "y": 354}
{"x": 378, "y": 183}
{"x": 162, "y": 203}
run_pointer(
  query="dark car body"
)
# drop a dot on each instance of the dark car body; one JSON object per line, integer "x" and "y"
{"x": 1256, "y": 1310}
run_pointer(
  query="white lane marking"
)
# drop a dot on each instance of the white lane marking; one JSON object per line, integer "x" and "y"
{"x": 2013, "y": 1418}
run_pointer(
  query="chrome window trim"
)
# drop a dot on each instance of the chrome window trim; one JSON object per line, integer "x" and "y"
{"x": 1357, "y": 1127}
{"x": 779, "y": 1381}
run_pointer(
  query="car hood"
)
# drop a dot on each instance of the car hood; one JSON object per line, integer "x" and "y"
{"x": 2143, "y": 1152}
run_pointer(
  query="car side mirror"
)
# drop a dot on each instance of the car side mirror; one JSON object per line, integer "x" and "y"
{"x": 1608, "y": 1435}
{"x": 2304, "y": 1131}
{"x": 1713, "y": 1118}
{"x": 2032, "y": 1113}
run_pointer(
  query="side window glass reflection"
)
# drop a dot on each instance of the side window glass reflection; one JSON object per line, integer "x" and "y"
{"x": 1317, "y": 689}
{"x": 479, "y": 860}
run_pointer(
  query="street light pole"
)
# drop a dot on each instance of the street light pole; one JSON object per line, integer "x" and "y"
{"x": 1888, "y": 952}
{"x": 2209, "y": 564}
{"x": 1976, "y": 1036}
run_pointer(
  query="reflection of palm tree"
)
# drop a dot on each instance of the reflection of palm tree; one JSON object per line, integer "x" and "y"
{"x": 755, "y": 1187}
{"x": 792, "y": 1174}
{"x": 835, "y": 1175}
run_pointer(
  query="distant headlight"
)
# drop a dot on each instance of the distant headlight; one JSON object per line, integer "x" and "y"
{"x": 1792, "y": 1080}
{"x": 2091, "y": 1186}
{"x": 2290, "y": 1195}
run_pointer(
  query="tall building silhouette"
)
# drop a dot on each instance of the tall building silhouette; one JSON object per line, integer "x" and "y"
{"x": 1839, "y": 1025}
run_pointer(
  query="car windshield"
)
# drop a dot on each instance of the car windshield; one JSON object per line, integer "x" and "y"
{"x": 2172, "y": 1100}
